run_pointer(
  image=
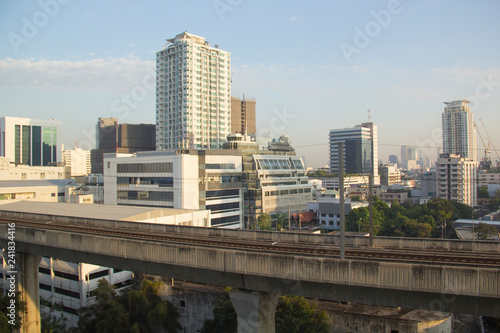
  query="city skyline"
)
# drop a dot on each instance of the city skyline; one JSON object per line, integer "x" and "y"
{"x": 311, "y": 67}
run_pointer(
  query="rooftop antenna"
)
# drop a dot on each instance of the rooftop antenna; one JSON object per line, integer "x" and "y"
{"x": 369, "y": 115}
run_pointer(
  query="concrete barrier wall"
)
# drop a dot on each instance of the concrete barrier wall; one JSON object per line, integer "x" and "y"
{"x": 268, "y": 236}
{"x": 455, "y": 280}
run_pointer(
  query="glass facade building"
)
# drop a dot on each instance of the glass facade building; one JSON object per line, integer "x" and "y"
{"x": 29, "y": 141}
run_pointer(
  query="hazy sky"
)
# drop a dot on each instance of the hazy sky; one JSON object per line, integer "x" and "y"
{"x": 312, "y": 65}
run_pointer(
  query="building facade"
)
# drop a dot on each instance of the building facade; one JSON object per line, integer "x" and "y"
{"x": 182, "y": 179}
{"x": 112, "y": 137}
{"x": 459, "y": 135}
{"x": 389, "y": 175}
{"x": 243, "y": 115}
{"x": 275, "y": 180}
{"x": 360, "y": 149}
{"x": 78, "y": 160}
{"x": 11, "y": 171}
{"x": 456, "y": 179}
{"x": 30, "y": 141}
{"x": 193, "y": 94}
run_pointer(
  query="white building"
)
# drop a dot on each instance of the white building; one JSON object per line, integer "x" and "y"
{"x": 459, "y": 135}
{"x": 360, "y": 149}
{"x": 193, "y": 94}
{"x": 11, "y": 171}
{"x": 71, "y": 283}
{"x": 456, "y": 179}
{"x": 487, "y": 178}
{"x": 30, "y": 141}
{"x": 327, "y": 209}
{"x": 78, "y": 160}
{"x": 389, "y": 175}
{"x": 51, "y": 190}
{"x": 184, "y": 179}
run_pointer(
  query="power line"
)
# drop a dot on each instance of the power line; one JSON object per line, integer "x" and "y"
{"x": 389, "y": 145}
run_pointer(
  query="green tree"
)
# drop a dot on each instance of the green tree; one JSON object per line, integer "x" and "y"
{"x": 355, "y": 198}
{"x": 225, "y": 319}
{"x": 264, "y": 222}
{"x": 293, "y": 315}
{"x": 139, "y": 310}
{"x": 485, "y": 230}
{"x": 51, "y": 323}
{"x": 282, "y": 221}
{"x": 482, "y": 193}
{"x": 5, "y": 313}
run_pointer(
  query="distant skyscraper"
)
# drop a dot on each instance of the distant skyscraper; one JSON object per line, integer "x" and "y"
{"x": 30, "y": 141}
{"x": 459, "y": 136}
{"x": 360, "y": 143}
{"x": 409, "y": 153}
{"x": 243, "y": 116}
{"x": 393, "y": 159}
{"x": 193, "y": 94}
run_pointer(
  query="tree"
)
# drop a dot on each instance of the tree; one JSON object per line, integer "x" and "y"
{"x": 485, "y": 230}
{"x": 50, "y": 322}
{"x": 264, "y": 222}
{"x": 282, "y": 221}
{"x": 139, "y": 310}
{"x": 483, "y": 193}
{"x": 293, "y": 314}
{"x": 6, "y": 316}
{"x": 355, "y": 198}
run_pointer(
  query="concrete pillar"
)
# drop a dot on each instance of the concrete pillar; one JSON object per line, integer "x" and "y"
{"x": 255, "y": 310}
{"x": 27, "y": 274}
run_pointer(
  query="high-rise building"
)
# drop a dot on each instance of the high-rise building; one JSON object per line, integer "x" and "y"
{"x": 112, "y": 137}
{"x": 409, "y": 154}
{"x": 243, "y": 115}
{"x": 456, "y": 179}
{"x": 459, "y": 136}
{"x": 78, "y": 160}
{"x": 193, "y": 94}
{"x": 360, "y": 149}
{"x": 30, "y": 141}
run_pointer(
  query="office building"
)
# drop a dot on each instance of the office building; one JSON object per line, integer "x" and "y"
{"x": 78, "y": 160}
{"x": 456, "y": 179}
{"x": 30, "y": 141}
{"x": 360, "y": 149}
{"x": 459, "y": 135}
{"x": 193, "y": 94}
{"x": 182, "y": 179}
{"x": 275, "y": 179}
{"x": 243, "y": 115}
{"x": 112, "y": 137}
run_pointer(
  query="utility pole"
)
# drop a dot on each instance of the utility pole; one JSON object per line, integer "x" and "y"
{"x": 289, "y": 217}
{"x": 342, "y": 199}
{"x": 300, "y": 221}
{"x": 370, "y": 207}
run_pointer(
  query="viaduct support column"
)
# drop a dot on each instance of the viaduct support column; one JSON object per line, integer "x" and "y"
{"x": 27, "y": 274}
{"x": 255, "y": 310}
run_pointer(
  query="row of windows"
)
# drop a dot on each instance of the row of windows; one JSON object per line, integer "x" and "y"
{"x": 225, "y": 220}
{"x": 223, "y": 206}
{"x": 285, "y": 192}
{"x": 160, "y": 181}
{"x": 145, "y": 195}
{"x": 224, "y": 166}
{"x": 145, "y": 167}
{"x": 222, "y": 193}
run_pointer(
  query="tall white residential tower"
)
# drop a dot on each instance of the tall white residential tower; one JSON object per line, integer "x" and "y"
{"x": 459, "y": 136}
{"x": 193, "y": 94}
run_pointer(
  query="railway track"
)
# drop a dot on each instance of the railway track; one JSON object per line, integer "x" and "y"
{"x": 379, "y": 254}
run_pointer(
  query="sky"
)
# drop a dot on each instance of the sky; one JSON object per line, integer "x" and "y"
{"x": 312, "y": 66}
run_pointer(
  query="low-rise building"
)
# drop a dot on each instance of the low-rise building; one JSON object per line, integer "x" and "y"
{"x": 71, "y": 284}
{"x": 11, "y": 171}
{"x": 48, "y": 190}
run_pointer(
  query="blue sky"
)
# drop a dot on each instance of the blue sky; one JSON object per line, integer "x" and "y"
{"x": 312, "y": 66}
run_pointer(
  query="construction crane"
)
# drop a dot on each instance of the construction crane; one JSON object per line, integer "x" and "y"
{"x": 489, "y": 138}
{"x": 486, "y": 148}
